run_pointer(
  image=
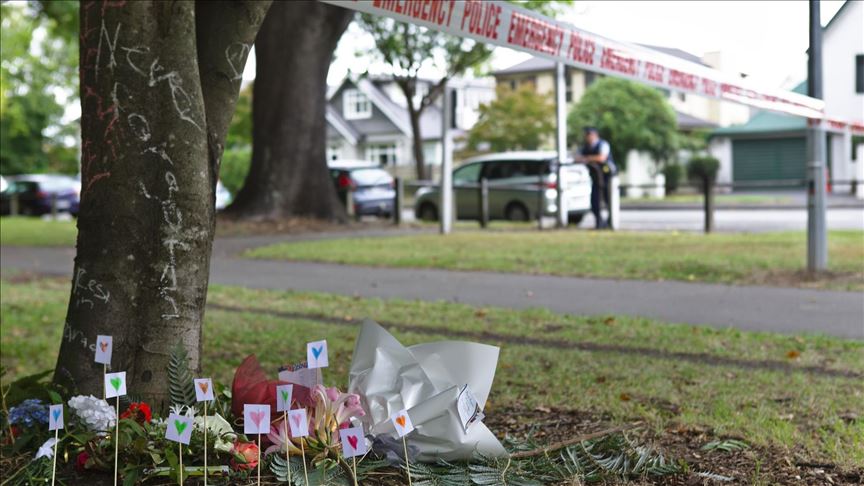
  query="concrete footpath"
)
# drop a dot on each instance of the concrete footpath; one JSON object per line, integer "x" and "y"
{"x": 773, "y": 309}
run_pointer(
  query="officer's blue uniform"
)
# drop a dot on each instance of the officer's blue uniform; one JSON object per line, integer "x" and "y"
{"x": 600, "y": 176}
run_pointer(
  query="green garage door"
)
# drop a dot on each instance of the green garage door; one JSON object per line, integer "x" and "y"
{"x": 769, "y": 159}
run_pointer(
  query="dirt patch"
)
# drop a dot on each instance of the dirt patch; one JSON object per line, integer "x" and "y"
{"x": 828, "y": 279}
{"x": 753, "y": 465}
{"x": 227, "y": 226}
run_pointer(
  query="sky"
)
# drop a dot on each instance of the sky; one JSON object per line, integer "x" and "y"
{"x": 765, "y": 39}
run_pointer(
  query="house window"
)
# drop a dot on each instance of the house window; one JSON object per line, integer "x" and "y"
{"x": 859, "y": 73}
{"x": 333, "y": 152}
{"x": 682, "y": 97}
{"x": 382, "y": 154}
{"x": 568, "y": 86}
{"x": 513, "y": 84}
{"x": 355, "y": 105}
{"x": 589, "y": 78}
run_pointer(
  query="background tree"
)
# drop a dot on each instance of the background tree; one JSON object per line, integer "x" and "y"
{"x": 159, "y": 82}
{"x": 289, "y": 176}
{"x": 38, "y": 71}
{"x": 408, "y": 48}
{"x": 629, "y": 115}
{"x": 515, "y": 120}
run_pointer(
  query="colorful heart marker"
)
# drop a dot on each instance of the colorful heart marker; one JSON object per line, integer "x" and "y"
{"x": 256, "y": 419}
{"x": 104, "y": 345}
{"x": 284, "y": 393}
{"x": 353, "y": 442}
{"x": 298, "y": 422}
{"x": 115, "y": 384}
{"x": 402, "y": 423}
{"x": 204, "y": 390}
{"x": 55, "y": 417}
{"x": 179, "y": 428}
{"x": 316, "y": 354}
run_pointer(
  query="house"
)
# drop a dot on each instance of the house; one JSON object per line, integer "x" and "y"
{"x": 773, "y": 146}
{"x": 693, "y": 113}
{"x": 367, "y": 118}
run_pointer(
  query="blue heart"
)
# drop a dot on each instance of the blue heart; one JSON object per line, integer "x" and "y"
{"x": 317, "y": 351}
{"x": 57, "y": 414}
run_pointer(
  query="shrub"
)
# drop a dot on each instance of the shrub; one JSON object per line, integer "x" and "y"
{"x": 235, "y": 166}
{"x": 703, "y": 168}
{"x": 673, "y": 174}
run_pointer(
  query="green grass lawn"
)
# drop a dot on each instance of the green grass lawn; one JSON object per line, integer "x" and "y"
{"x": 730, "y": 199}
{"x": 764, "y": 258}
{"x": 24, "y": 231}
{"x": 802, "y": 394}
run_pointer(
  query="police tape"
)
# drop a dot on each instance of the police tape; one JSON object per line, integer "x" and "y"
{"x": 503, "y": 24}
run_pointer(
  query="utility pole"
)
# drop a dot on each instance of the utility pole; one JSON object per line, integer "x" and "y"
{"x": 817, "y": 239}
{"x": 560, "y": 141}
{"x": 446, "y": 213}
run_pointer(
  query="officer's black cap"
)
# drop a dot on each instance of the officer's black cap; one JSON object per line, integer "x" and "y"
{"x": 588, "y": 130}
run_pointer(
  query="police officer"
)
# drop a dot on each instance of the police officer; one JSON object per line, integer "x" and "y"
{"x": 597, "y": 155}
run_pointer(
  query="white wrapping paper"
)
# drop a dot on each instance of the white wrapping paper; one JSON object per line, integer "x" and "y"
{"x": 425, "y": 380}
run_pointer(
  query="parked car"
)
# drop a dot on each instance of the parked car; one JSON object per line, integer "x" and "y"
{"x": 372, "y": 189}
{"x": 36, "y": 193}
{"x": 223, "y": 196}
{"x": 515, "y": 180}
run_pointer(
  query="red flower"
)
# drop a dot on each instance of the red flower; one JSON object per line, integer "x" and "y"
{"x": 139, "y": 411}
{"x": 245, "y": 456}
{"x": 81, "y": 461}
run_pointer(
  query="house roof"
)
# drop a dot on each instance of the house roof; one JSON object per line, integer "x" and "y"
{"x": 690, "y": 122}
{"x": 837, "y": 15}
{"x": 341, "y": 125}
{"x": 536, "y": 64}
{"x": 767, "y": 121}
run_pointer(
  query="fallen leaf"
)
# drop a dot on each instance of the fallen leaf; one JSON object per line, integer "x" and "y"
{"x": 480, "y": 313}
{"x": 793, "y": 354}
{"x": 609, "y": 321}
{"x": 600, "y": 379}
{"x": 625, "y": 397}
{"x": 543, "y": 409}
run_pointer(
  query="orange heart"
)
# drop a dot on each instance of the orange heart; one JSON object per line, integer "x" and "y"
{"x": 104, "y": 346}
{"x": 203, "y": 385}
{"x": 401, "y": 421}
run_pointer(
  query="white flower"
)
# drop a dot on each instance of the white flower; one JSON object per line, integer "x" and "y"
{"x": 95, "y": 413}
{"x": 183, "y": 410}
{"x": 47, "y": 449}
{"x": 217, "y": 425}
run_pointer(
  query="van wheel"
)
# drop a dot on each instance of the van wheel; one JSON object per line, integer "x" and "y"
{"x": 575, "y": 218}
{"x": 516, "y": 212}
{"x": 428, "y": 212}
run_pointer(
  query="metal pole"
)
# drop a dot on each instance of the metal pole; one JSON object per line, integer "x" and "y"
{"x": 484, "y": 202}
{"x": 399, "y": 202}
{"x": 708, "y": 195}
{"x": 541, "y": 196}
{"x": 817, "y": 239}
{"x": 349, "y": 204}
{"x": 560, "y": 141}
{"x": 614, "y": 202}
{"x": 446, "y": 166}
{"x": 54, "y": 206}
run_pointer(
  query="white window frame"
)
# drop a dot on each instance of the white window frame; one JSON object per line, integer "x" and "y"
{"x": 356, "y": 105}
{"x": 389, "y": 150}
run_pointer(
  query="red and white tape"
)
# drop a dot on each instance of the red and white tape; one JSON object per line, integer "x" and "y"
{"x": 503, "y": 24}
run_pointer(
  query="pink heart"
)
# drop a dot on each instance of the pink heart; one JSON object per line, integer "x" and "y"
{"x": 257, "y": 417}
{"x": 296, "y": 419}
{"x": 352, "y": 439}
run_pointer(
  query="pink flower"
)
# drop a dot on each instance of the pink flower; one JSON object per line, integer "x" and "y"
{"x": 280, "y": 439}
{"x": 245, "y": 456}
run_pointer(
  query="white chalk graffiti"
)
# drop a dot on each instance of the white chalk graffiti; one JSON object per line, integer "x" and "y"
{"x": 112, "y": 46}
{"x": 236, "y": 54}
{"x": 139, "y": 126}
{"x": 86, "y": 294}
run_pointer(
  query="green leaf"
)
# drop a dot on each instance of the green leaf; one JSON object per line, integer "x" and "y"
{"x": 181, "y": 386}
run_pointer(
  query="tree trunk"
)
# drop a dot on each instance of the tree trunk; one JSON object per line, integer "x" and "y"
{"x": 159, "y": 81}
{"x": 417, "y": 140}
{"x": 289, "y": 176}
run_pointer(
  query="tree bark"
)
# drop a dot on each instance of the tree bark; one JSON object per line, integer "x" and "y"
{"x": 288, "y": 175}
{"x": 416, "y": 139}
{"x": 158, "y": 81}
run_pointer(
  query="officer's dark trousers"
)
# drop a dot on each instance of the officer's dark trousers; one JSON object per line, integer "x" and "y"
{"x": 600, "y": 189}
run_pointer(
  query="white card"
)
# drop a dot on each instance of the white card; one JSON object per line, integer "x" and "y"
{"x": 469, "y": 410}
{"x": 256, "y": 419}
{"x": 353, "y": 442}
{"x": 204, "y": 389}
{"x": 316, "y": 354}
{"x": 104, "y": 346}
{"x": 284, "y": 393}
{"x": 402, "y": 422}
{"x": 55, "y": 417}
{"x": 303, "y": 377}
{"x": 115, "y": 384}
{"x": 298, "y": 422}
{"x": 179, "y": 428}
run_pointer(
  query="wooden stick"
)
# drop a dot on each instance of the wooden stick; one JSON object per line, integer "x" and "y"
{"x": 287, "y": 444}
{"x": 354, "y": 467}
{"x": 205, "y": 442}
{"x": 303, "y": 453}
{"x": 54, "y": 467}
{"x": 407, "y": 469}
{"x": 181, "y": 463}
{"x": 259, "y": 459}
{"x": 116, "y": 438}
{"x": 569, "y": 442}
{"x": 104, "y": 372}
{"x": 6, "y": 412}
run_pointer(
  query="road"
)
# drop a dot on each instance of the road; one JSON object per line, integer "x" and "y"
{"x": 753, "y": 308}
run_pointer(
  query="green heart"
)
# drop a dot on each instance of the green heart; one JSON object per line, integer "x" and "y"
{"x": 181, "y": 426}
{"x": 116, "y": 382}
{"x": 284, "y": 396}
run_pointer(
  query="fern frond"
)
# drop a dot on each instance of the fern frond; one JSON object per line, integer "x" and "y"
{"x": 181, "y": 387}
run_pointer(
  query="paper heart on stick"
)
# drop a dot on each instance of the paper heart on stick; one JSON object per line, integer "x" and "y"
{"x": 104, "y": 346}
{"x": 57, "y": 414}
{"x": 204, "y": 386}
{"x": 257, "y": 417}
{"x": 116, "y": 382}
{"x": 401, "y": 421}
{"x": 180, "y": 426}
{"x": 352, "y": 439}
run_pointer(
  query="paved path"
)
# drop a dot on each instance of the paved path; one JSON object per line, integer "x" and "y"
{"x": 748, "y": 308}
